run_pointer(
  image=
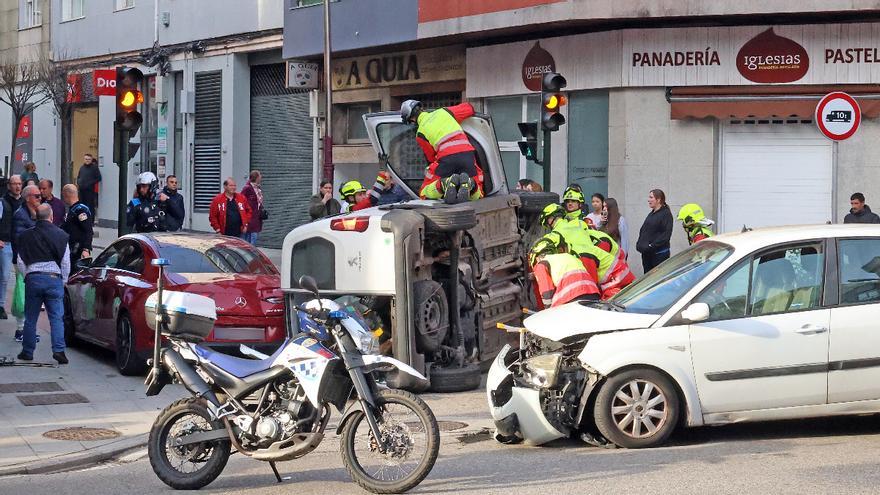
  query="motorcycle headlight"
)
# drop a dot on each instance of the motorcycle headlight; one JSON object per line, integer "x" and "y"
{"x": 367, "y": 343}
{"x": 542, "y": 371}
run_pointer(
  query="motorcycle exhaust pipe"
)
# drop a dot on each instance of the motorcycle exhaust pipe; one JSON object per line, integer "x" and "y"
{"x": 188, "y": 376}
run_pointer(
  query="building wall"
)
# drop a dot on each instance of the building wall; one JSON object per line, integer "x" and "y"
{"x": 648, "y": 151}
{"x": 858, "y": 168}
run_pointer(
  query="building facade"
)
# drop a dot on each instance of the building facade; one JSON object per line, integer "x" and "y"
{"x": 713, "y": 102}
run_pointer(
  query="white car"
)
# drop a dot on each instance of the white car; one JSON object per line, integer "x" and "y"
{"x": 769, "y": 324}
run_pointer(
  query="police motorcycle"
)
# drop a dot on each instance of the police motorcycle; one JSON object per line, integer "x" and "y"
{"x": 276, "y": 408}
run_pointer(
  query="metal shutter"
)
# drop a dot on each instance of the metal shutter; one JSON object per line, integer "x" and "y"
{"x": 281, "y": 148}
{"x": 206, "y": 140}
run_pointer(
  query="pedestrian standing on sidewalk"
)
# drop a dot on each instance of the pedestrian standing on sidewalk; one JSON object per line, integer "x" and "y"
{"x": 175, "y": 211}
{"x": 44, "y": 259}
{"x": 253, "y": 192}
{"x": 88, "y": 181}
{"x": 11, "y": 201}
{"x": 655, "y": 233}
{"x": 614, "y": 224}
{"x": 58, "y": 210}
{"x": 23, "y": 219}
{"x": 30, "y": 174}
{"x": 323, "y": 204}
{"x": 79, "y": 225}
{"x": 595, "y": 216}
{"x": 860, "y": 212}
{"x": 230, "y": 212}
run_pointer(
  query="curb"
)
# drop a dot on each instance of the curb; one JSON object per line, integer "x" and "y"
{"x": 76, "y": 460}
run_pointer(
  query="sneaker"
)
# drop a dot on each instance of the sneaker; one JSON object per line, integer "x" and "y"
{"x": 450, "y": 186}
{"x": 25, "y": 357}
{"x": 18, "y": 336}
{"x": 60, "y": 357}
{"x": 3, "y": 315}
{"x": 464, "y": 190}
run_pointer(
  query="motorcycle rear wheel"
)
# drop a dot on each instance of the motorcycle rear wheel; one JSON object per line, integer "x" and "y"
{"x": 412, "y": 438}
{"x": 171, "y": 464}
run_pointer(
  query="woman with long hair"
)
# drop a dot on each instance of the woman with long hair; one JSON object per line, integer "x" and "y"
{"x": 323, "y": 204}
{"x": 655, "y": 233}
{"x": 595, "y": 216}
{"x": 614, "y": 224}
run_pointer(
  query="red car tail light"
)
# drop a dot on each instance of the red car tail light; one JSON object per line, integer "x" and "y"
{"x": 354, "y": 224}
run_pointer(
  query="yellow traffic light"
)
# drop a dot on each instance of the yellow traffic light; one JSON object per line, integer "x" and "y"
{"x": 128, "y": 98}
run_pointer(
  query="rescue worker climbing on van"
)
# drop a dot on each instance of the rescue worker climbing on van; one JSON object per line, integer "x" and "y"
{"x": 695, "y": 223}
{"x": 560, "y": 276}
{"x": 355, "y": 197}
{"x": 573, "y": 199}
{"x": 453, "y": 174}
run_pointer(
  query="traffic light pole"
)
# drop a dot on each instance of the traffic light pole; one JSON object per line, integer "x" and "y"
{"x": 545, "y": 159}
{"x": 121, "y": 157}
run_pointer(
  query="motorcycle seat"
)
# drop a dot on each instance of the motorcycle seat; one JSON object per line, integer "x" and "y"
{"x": 238, "y": 367}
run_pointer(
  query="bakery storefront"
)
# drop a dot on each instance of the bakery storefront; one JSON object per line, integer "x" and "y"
{"x": 373, "y": 83}
{"x": 721, "y": 116}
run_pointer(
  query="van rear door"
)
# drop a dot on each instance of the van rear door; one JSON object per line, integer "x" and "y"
{"x": 396, "y": 142}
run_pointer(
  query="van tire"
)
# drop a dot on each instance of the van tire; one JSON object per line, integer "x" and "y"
{"x": 534, "y": 202}
{"x": 443, "y": 218}
{"x": 455, "y": 379}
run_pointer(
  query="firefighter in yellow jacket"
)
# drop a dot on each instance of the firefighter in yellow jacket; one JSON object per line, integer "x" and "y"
{"x": 695, "y": 223}
{"x": 560, "y": 276}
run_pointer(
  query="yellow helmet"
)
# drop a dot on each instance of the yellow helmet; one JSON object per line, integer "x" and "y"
{"x": 351, "y": 188}
{"x": 551, "y": 243}
{"x": 690, "y": 214}
{"x": 550, "y": 211}
{"x": 572, "y": 194}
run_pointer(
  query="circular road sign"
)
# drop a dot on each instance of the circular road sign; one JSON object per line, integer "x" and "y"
{"x": 838, "y": 115}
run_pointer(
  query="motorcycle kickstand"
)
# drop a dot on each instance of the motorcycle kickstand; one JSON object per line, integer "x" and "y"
{"x": 275, "y": 471}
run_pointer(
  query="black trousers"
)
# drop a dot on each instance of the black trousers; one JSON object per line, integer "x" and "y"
{"x": 90, "y": 199}
{"x": 456, "y": 164}
{"x": 652, "y": 259}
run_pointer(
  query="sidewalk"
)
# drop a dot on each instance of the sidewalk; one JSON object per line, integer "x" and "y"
{"x": 105, "y": 236}
{"x": 114, "y": 402}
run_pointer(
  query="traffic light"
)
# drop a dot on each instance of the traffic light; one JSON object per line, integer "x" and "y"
{"x": 129, "y": 82}
{"x": 552, "y": 101}
{"x": 529, "y": 147}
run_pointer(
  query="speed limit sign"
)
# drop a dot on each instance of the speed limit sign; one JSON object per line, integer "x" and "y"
{"x": 838, "y": 115}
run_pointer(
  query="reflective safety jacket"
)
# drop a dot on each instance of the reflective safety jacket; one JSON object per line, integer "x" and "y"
{"x": 440, "y": 133}
{"x": 562, "y": 278}
{"x": 697, "y": 233}
{"x": 596, "y": 260}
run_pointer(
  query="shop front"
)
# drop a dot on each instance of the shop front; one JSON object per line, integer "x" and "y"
{"x": 721, "y": 116}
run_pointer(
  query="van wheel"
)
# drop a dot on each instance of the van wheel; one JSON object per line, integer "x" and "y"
{"x": 455, "y": 379}
{"x": 432, "y": 315}
{"x": 443, "y": 218}
{"x": 534, "y": 202}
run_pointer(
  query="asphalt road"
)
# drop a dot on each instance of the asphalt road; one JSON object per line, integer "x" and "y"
{"x": 817, "y": 456}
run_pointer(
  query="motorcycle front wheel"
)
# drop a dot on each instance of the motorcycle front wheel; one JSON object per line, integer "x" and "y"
{"x": 411, "y": 440}
{"x": 187, "y": 467}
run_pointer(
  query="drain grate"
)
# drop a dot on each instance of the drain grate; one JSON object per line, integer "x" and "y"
{"x": 81, "y": 434}
{"x": 13, "y": 388}
{"x": 443, "y": 425}
{"x": 51, "y": 399}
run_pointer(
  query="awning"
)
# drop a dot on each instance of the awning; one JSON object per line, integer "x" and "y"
{"x": 781, "y": 102}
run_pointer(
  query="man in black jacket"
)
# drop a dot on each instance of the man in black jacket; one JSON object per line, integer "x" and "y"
{"x": 10, "y": 202}
{"x": 860, "y": 212}
{"x": 88, "y": 180}
{"x": 78, "y": 223}
{"x": 174, "y": 208}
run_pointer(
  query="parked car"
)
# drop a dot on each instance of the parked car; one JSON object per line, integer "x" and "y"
{"x": 770, "y": 324}
{"x": 104, "y": 299}
{"x": 397, "y": 259}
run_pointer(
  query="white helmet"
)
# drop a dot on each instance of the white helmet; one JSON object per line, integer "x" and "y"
{"x": 407, "y": 108}
{"x": 146, "y": 178}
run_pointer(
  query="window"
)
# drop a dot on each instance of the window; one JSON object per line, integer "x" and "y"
{"x": 30, "y": 15}
{"x": 859, "y": 271}
{"x": 219, "y": 258}
{"x": 783, "y": 280}
{"x": 355, "y": 130}
{"x": 108, "y": 257}
{"x": 306, "y": 3}
{"x": 789, "y": 279}
{"x": 315, "y": 257}
{"x": 124, "y": 4}
{"x": 71, "y": 9}
{"x": 123, "y": 255}
{"x": 506, "y": 112}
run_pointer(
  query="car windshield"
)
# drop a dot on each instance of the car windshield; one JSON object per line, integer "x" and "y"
{"x": 218, "y": 257}
{"x": 657, "y": 291}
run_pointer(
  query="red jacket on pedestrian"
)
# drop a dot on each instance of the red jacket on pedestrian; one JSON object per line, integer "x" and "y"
{"x": 217, "y": 212}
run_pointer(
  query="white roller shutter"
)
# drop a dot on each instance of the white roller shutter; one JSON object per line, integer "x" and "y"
{"x": 775, "y": 174}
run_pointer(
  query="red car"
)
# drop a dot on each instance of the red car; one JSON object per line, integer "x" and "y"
{"x": 104, "y": 299}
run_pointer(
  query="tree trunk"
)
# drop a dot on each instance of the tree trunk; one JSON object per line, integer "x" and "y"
{"x": 16, "y": 121}
{"x": 66, "y": 162}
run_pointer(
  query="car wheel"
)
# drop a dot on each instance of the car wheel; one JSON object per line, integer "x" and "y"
{"x": 443, "y": 218}
{"x": 432, "y": 315}
{"x": 637, "y": 408}
{"x": 127, "y": 360}
{"x": 455, "y": 379}
{"x": 69, "y": 325}
{"x": 534, "y": 202}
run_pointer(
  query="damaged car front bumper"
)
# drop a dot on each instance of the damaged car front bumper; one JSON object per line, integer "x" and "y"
{"x": 516, "y": 410}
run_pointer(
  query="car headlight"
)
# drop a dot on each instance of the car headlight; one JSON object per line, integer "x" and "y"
{"x": 542, "y": 371}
